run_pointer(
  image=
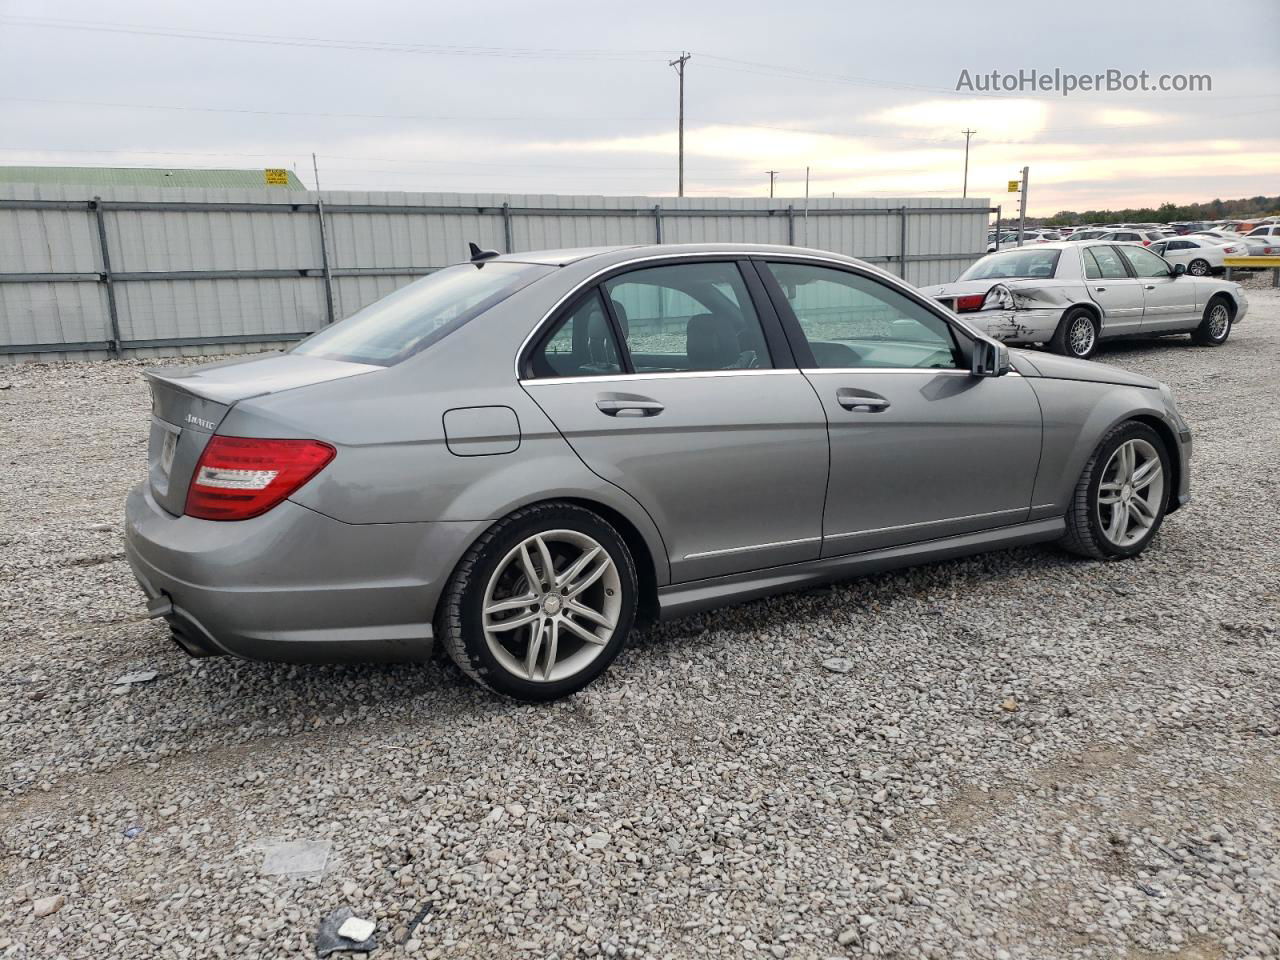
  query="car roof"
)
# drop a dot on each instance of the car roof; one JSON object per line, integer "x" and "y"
{"x": 561, "y": 258}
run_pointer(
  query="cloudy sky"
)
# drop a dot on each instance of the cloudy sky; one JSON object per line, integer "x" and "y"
{"x": 578, "y": 97}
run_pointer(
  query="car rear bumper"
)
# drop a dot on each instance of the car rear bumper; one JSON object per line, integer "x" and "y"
{"x": 293, "y": 585}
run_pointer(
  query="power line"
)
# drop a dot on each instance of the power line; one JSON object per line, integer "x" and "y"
{"x": 376, "y": 46}
{"x": 637, "y": 55}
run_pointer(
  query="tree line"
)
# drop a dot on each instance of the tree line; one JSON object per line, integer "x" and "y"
{"x": 1242, "y": 209}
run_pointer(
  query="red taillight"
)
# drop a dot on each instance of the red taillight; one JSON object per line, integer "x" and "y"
{"x": 242, "y": 477}
{"x": 1146, "y": 243}
{"x": 969, "y": 303}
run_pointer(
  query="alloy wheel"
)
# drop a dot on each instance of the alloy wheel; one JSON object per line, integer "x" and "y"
{"x": 1219, "y": 321}
{"x": 1081, "y": 336}
{"x": 1131, "y": 493}
{"x": 1198, "y": 268}
{"x": 552, "y": 605}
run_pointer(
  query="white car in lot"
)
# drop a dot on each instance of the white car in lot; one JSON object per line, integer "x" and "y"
{"x": 1200, "y": 255}
{"x": 1143, "y": 235}
{"x": 1262, "y": 241}
{"x": 1072, "y": 295}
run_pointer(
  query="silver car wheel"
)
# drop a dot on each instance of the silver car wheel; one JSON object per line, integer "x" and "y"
{"x": 1131, "y": 492}
{"x": 552, "y": 605}
{"x": 1081, "y": 336}
{"x": 1219, "y": 321}
{"x": 1198, "y": 268}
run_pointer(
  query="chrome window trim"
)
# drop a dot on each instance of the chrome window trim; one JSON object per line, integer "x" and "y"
{"x": 753, "y": 547}
{"x": 664, "y": 375}
{"x": 924, "y": 523}
{"x": 810, "y": 371}
{"x": 852, "y": 265}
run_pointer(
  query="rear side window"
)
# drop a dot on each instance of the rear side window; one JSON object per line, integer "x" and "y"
{"x": 687, "y": 317}
{"x": 414, "y": 317}
{"x": 581, "y": 344}
{"x": 1104, "y": 263}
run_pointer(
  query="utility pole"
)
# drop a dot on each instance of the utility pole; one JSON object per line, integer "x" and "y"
{"x": 967, "y": 134}
{"x": 1022, "y": 203}
{"x": 806, "y": 206}
{"x": 679, "y": 63}
{"x": 772, "y": 174}
{"x": 315, "y": 168}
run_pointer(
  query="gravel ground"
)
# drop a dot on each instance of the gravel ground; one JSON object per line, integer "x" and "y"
{"x": 1030, "y": 756}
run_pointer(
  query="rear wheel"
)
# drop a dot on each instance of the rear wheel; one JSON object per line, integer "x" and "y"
{"x": 1077, "y": 334}
{"x": 1122, "y": 495}
{"x": 542, "y": 603}
{"x": 1198, "y": 268}
{"x": 1215, "y": 326}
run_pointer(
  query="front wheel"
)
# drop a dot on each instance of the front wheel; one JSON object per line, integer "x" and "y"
{"x": 542, "y": 603}
{"x": 1077, "y": 335}
{"x": 1122, "y": 495}
{"x": 1215, "y": 326}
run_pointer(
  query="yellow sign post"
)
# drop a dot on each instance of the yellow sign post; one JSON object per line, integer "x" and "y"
{"x": 1014, "y": 185}
{"x": 276, "y": 178}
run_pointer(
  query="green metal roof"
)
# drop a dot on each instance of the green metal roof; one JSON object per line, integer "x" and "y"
{"x": 146, "y": 177}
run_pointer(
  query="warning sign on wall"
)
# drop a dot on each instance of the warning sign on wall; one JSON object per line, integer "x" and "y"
{"x": 276, "y": 178}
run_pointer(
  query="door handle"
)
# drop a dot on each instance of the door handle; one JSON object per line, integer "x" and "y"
{"x": 1151, "y": 286}
{"x": 1101, "y": 289}
{"x": 629, "y": 407}
{"x": 861, "y": 400}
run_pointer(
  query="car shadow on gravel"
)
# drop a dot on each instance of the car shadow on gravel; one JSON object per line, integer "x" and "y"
{"x": 925, "y": 590}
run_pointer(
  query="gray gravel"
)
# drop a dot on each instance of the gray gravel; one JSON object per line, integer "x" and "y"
{"x": 1021, "y": 755}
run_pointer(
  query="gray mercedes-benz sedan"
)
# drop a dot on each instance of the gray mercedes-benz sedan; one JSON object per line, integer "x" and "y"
{"x": 524, "y": 456}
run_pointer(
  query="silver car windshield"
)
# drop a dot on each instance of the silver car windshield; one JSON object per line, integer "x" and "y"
{"x": 1014, "y": 264}
{"x": 420, "y": 314}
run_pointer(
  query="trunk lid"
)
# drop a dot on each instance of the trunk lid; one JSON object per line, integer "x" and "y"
{"x": 188, "y": 404}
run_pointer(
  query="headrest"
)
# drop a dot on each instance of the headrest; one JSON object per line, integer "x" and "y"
{"x": 711, "y": 342}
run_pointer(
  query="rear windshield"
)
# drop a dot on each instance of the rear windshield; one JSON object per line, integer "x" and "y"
{"x": 414, "y": 317}
{"x": 1014, "y": 264}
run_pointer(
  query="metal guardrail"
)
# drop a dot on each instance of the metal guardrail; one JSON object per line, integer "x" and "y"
{"x": 1254, "y": 263}
{"x": 327, "y": 272}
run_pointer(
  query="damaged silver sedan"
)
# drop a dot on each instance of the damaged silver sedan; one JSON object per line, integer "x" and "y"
{"x": 1070, "y": 296}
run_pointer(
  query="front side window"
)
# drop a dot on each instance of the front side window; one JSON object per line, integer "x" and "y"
{"x": 1014, "y": 264}
{"x": 416, "y": 316}
{"x": 1145, "y": 263}
{"x": 1104, "y": 263}
{"x": 850, "y": 320}
{"x": 581, "y": 344}
{"x": 687, "y": 317}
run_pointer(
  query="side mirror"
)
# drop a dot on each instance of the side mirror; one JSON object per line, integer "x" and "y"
{"x": 1179, "y": 269}
{"x": 990, "y": 359}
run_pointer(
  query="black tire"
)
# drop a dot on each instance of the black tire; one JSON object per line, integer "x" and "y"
{"x": 1199, "y": 268}
{"x": 1212, "y": 332}
{"x": 1084, "y": 534}
{"x": 459, "y": 619}
{"x": 1071, "y": 344}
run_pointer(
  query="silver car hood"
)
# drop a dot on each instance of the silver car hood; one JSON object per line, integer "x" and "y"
{"x": 1053, "y": 367}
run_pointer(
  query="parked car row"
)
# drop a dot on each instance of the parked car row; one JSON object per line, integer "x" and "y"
{"x": 1235, "y": 238}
